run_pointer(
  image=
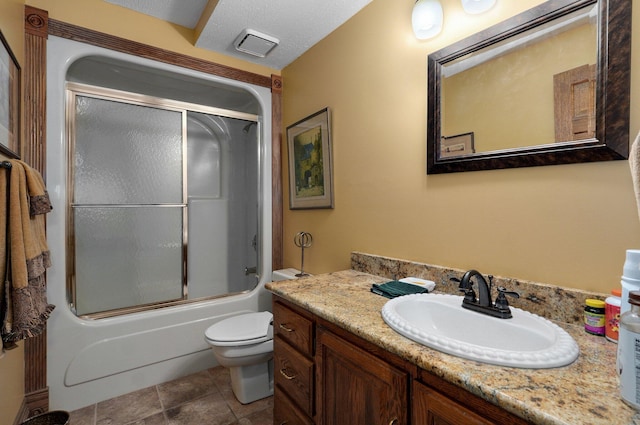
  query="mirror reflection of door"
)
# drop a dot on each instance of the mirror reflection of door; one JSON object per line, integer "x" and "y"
{"x": 504, "y": 92}
{"x": 575, "y": 105}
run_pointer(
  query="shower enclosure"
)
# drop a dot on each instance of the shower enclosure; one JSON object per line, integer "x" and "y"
{"x": 144, "y": 170}
{"x": 160, "y": 179}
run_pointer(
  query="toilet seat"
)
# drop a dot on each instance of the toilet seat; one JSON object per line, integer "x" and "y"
{"x": 244, "y": 329}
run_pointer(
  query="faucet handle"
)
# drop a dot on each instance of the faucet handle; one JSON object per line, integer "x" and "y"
{"x": 501, "y": 300}
{"x": 469, "y": 293}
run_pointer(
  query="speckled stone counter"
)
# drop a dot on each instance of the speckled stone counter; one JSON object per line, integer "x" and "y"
{"x": 584, "y": 392}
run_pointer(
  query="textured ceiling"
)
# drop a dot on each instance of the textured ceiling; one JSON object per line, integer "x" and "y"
{"x": 297, "y": 24}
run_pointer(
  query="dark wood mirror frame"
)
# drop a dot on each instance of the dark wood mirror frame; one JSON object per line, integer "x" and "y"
{"x": 613, "y": 82}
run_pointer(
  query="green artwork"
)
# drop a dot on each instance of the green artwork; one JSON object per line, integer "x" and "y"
{"x": 309, "y": 178}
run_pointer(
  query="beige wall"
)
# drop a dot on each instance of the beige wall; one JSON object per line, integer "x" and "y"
{"x": 12, "y": 363}
{"x": 12, "y": 26}
{"x": 566, "y": 225}
{"x": 12, "y": 388}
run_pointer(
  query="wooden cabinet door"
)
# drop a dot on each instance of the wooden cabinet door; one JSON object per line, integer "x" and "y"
{"x": 357, "y": 388}
{"x": 433, "y": 408}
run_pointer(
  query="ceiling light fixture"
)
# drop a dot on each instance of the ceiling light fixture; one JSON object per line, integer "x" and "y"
{"x": 475, "y": 7}
{"x": 427, "y": 18}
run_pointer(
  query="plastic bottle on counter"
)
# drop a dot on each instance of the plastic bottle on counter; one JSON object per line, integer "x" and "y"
{"x": 612, "y": 315}
{"x": 630, "y": 277}
{"x": 594, "y": 322}
{"x": 628, "y": 361}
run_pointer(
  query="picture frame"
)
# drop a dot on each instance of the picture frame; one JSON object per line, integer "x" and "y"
{"x": 310, "y": 162}
{"x": 9, "y": 101}
{"x": 460, "y": 144}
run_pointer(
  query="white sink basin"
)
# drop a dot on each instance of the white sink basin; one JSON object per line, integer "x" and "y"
{"x": 439, "y": 321}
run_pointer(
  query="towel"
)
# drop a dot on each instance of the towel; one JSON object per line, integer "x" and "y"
{"x": 396, "y": 288}
{"x": 634, "y": 164}
{"x": 23, "y": 306}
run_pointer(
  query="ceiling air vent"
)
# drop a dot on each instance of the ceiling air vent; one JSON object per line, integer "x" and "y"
{"x": 255, "y": 43}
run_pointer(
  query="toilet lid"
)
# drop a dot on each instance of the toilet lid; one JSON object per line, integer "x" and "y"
{"x": 253, "y": 327}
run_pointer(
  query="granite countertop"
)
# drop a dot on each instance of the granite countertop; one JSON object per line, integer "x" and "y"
{"x": 584, "y": 392}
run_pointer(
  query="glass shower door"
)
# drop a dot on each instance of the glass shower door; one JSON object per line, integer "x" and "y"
{"x": 163, "y": 202}
{"x": 127, "y": 207}
{"x": 222, "y": 202}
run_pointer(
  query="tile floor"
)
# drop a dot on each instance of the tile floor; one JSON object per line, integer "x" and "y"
{"x": 202, "y": 398}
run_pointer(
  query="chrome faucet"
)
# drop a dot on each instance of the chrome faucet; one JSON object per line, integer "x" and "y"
{"x": 483, "y": 303}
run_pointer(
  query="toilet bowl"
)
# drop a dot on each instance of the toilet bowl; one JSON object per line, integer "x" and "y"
{"x": 244, "y": 345}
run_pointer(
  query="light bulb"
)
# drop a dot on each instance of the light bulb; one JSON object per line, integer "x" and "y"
{"x": 427, "y": 18}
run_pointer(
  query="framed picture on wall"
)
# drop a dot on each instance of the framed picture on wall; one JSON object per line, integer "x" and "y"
{"x": 310, "y": 162}
{"x": 460, "y": 144}
{"x": 9, "y": 101}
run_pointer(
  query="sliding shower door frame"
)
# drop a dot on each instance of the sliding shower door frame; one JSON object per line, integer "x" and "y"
{"x": 73, "y": 90}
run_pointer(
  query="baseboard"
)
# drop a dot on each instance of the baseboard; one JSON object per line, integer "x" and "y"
{"x": 23, "y": 413}
{"x": 33, "y": 404}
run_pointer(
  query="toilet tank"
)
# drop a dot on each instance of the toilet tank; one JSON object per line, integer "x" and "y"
{"x": 284, "y": 274}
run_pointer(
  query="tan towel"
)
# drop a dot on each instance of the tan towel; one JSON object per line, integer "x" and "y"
{"x": 634, "y": 164}
{"x": 24, "y": 308}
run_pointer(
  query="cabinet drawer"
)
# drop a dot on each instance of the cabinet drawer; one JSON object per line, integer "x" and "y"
{"x": 431, "y": 408}
{"x": 297, "y": 330}
{"x": 285, "y": 412}
{"x": 293, "y": 374}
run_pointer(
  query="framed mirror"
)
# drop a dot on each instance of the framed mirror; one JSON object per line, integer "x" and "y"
{"x": 548, "y": 86}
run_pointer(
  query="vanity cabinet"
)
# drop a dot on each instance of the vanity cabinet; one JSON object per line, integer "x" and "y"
{"x": 355, "y": 387}
{"x": 325, "y": 375}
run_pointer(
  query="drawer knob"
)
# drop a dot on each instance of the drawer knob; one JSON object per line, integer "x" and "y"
{"x": 394, "y": 421}
{"x": 286, "y": 328}
{"x": 284, "y": 373}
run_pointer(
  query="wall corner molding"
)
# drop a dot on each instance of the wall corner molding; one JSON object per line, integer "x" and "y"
{"x": 36, "y": 398}
{"x": 276, "y": 84}
{"x": 36, "y": 21}
{"x": 277, "y": 250}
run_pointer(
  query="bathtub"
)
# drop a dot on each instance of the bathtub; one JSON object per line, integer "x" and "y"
{"x": 93, "y": 360}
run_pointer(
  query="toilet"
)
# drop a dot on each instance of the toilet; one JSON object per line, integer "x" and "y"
{"x": 244, "y": 344}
